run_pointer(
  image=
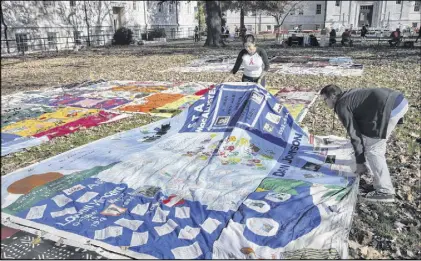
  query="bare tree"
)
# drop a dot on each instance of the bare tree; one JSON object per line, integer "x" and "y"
{"x": 18, "y": 14}
{"x": 5, "y": 27}
{"x": 82, "y": 14}
{"x": 242, "y": 6}
{"x": 279, "y": 10}
{"x": 69, "y": 16}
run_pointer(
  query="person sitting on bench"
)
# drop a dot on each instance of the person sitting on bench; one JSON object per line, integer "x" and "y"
{"x": 332, "y": 37}
{"x": 346, "y": 38}
{"x": 313, "y": 40}
{"x": 294, "y": 40}
{"x": 395, "y": 37}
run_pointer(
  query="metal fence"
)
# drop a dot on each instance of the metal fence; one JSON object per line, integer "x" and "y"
{"x": 43, "y": 44}
{"x": 172, "y": 33}
{"x": 29, "y": 44}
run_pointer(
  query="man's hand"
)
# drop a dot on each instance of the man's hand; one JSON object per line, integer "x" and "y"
{"x": 361, "y": 169}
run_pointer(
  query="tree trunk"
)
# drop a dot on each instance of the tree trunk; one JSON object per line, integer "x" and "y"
{"x": 278, "y": 25}
{"x": 176, "y": 17}
{"x": 5, "y": 29}
{"x": 87, "y": 24}
{"x": 324, "y": 18}
{"x": 242, "y": 18}
{"x": 285, "y": 16}
{"x": 213, "y": 22}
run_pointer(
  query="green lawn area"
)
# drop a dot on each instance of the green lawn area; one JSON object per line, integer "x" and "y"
{"x": 378, "y": 231}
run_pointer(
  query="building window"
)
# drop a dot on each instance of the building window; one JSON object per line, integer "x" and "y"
{"x": 249, "y": 28}
{"x": 337, "y": 3}
{"x": 170, "y": 8}
{"x": 318, "y": 9}
{"x": 160, "y": 7}
{"x": 398, "y": 2}
{"x": 134, "y": 5}
{"x": 22, "y": 41}
{"x": 301, "y": 12}
{"x": 52, "y": 40}
{"x": 72, "y": 3}
{"x": 268, "y": 28}
{"x": 137, "y": 33}
{"x": 414, "y": 25}
{"x": 48, "y": 3}
{"x": 189, "y": 8}
{"x": 100, "y": 38}
{"x": 77, "y": 36}
{"x": 417, "y": 6}
{"x": 317, "y": 26}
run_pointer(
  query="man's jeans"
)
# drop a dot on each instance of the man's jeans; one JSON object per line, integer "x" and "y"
{"x": 375, "y": 150}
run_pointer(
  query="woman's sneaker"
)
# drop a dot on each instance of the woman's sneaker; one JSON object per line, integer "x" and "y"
{"x": 376, "y": 196}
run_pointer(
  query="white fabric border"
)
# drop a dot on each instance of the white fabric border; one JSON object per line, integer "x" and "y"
{"x": 71, "y": 238}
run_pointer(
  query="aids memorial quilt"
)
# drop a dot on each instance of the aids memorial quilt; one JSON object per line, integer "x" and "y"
{"x": 232, "y": 176}
{"x": 298, "y": 101}
{"x": 37, "y": 116}
{"x": 211, "y": 63}
{"x": 331, "y": 66}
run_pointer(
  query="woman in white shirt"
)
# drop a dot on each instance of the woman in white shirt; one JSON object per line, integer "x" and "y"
{"x": 254, "y": 60}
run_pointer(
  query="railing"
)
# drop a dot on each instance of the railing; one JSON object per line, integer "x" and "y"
{"x": 171, "y": 33}
{"x": 46, "y": 44}
{"x": 69, "y": 43}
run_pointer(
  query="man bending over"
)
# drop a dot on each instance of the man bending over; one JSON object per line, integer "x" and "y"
{"x": 369, "y": 116}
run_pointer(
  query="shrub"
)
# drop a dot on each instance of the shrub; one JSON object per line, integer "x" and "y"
{"x": 123, "y": 36}
{"x": 158, "y": 33}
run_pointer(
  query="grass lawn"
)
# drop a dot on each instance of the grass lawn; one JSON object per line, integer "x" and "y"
{"x": 378, "y": 231}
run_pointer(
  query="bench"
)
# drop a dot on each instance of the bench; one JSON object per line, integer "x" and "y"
{"x": 409, "y": 44}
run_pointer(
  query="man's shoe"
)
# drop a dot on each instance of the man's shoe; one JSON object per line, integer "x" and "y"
{"x": 366, "y": 188}
{"x": 375, "y": 196}
{"x": 366, "y": 183}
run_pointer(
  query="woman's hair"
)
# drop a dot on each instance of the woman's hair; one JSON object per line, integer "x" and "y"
{"x": 249, "y": 38}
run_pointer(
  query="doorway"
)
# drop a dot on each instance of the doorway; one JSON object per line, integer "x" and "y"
{"x": 117, "y": 17}
{"x": 366, "y": 15}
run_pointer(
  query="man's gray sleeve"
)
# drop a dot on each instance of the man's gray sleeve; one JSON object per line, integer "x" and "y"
{"x": 347, "y": 119}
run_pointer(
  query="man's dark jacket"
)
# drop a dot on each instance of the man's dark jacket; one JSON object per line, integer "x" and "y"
{"x": 366, "y": 112}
